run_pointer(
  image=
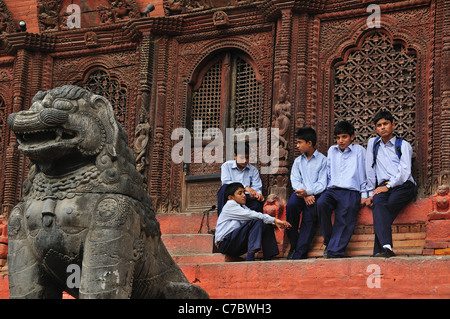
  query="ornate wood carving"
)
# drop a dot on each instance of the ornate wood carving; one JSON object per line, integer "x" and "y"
{"x": 6, "y": 21}
{"x": 53, "y": 15}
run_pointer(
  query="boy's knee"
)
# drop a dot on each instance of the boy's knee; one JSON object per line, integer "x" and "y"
{"x": 379, "y": 199}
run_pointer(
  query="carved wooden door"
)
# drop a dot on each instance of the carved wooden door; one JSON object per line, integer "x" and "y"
{"x": 225, "y": 94}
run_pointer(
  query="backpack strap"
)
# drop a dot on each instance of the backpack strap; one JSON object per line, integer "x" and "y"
{"x": 398, "y": 146}
{"x": 376, "y": 146}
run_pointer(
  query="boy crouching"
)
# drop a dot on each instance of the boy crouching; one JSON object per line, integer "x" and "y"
{"x": 240, "y": 229}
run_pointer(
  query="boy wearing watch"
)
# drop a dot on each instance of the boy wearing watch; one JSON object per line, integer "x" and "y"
{"x": 389, "y": 180}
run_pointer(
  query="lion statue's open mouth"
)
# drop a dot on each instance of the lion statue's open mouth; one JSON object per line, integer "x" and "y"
{"x": 84, "y": 204}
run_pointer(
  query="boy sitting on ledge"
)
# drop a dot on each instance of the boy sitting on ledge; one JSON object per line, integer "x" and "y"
{"x": 240, "y": 229}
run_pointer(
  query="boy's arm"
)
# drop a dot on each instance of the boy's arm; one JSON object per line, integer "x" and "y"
{"x": 235, "y": 211}
{"x": 256, "y": 182}
{"x": 329, "y": 166}
{"x": 296, "y": 177}
{"x": 362, "y": 172}
{"x": 225, "y": 175}
{"x": 321, "y": 183}
{"x": 404, "y": 167}
{"x": 370, "y": 172}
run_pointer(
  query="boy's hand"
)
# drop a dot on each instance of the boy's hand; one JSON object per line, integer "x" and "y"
{"x": 364, "y": 202}
{"x": 310, "y": 200}
{"x": 369, "y": 202}
{"x": 381, "y": 189}
{"x": 301, "y": 193}
{"x": 251, "y": 191}
{"x": 282, "y": 224}
{"x": 259, "y": 197}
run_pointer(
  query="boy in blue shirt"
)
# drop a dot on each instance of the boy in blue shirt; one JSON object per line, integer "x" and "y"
{"x": 240, "y": 170}
{"x": 389, "y": 181}
{"x": 240, "y": 229}
{"x": 346, "y": 190}
{"x": 309, "y": 180}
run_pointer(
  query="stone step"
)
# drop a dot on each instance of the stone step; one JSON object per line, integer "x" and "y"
{"x": 343, "y": 278}
{"x": 189, "y": 240}
{"x": 188, "y": 244}
{"x": 187, "y": 223}
{"x": 204, "y": 258}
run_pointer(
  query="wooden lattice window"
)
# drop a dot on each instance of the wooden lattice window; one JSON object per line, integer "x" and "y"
{"x": 99, "y": 82}
{"x": 247, "y": 100}
{"x": 381, "y": 74}
{"x": 206, "y": 100}
{"x": 227, "y": 94}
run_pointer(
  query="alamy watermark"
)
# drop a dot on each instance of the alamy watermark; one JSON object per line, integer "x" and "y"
{"x": 373, "y": 20}
{"x": 374, "y": 279}
{"x": 220, "y": 146}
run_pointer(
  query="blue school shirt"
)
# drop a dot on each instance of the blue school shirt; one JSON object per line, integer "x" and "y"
{"x": 388, "y": 166}
{"x": 310, "y": 175}
{"x": 249, "y": 176}
{"x": 234, "y": 215}
{"x": 347, "y": 169}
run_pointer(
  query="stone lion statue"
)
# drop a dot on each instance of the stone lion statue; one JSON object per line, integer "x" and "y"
{"x": 83, "y": 205}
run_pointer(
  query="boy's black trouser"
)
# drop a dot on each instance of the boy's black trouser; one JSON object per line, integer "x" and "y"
{"x": 252, "y": 236}
{"x": 386, "y": 207}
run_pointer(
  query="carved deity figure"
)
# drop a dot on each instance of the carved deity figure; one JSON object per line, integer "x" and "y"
{"x": 84, "y": 205}
{"x": 282, "y": 112}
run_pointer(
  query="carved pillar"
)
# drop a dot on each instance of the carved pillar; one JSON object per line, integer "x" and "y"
{"x": 157, "y": 165}
{"x": 281, "y": 117}
{"x": 301, "y": 74}
{"x": 143, "y": 131}
{"x": 445, "y": 98}
{"x": 12, "y": 182}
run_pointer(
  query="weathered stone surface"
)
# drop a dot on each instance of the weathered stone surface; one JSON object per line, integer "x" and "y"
{"x": 84, "y": 204}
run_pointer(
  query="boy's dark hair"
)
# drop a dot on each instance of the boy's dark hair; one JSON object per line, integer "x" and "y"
{"x": 231, "y": 189}
{"x": 344, "y": 127}
{"x": 307, "y": 134}
{"x": 238, "y": 148}
{"x": 383, "y": 115}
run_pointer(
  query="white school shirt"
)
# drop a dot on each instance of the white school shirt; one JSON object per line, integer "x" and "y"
{"x": 234, "y": 215}
{"x": 310, "y": 175}
{"x": 249, "y": 176}
{"x": 388, "y": 166}
{"x": 347, "y": 169}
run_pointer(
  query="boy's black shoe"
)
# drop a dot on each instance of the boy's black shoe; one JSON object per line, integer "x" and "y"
{"x": 386, "y": 253}
{"x": 290, "y": 253}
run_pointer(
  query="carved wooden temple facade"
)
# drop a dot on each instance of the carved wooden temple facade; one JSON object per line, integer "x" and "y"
{"x": 233, "y": 64}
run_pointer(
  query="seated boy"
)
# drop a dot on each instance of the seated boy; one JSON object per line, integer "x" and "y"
{"x": 389, "y": 180}
{"x": 240, "y": 170}
{"x": 346, "y": 190}
{"x": 240, "y": 229}
{"x": 309, "y": 180}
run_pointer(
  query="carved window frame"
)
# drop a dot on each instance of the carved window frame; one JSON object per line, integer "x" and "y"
{"x": 228, "y": 58}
